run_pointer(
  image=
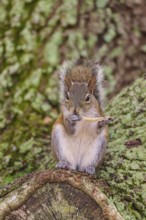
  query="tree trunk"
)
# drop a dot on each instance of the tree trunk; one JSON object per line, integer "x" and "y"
{"x": 57, "y": 194}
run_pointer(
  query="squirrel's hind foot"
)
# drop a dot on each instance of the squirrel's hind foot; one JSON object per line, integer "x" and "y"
{"x": 90, "y": 170}
{"x": 63, "y": 165}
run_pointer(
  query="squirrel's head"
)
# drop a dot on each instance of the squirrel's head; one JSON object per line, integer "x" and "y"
{"x": 81, "y": 85}
{"x": 78, "y": 100}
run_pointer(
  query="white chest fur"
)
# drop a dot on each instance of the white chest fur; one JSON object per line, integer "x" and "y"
{"x": 81, "y": 148}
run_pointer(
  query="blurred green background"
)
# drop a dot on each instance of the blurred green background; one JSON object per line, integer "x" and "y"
{"x": 36, "y": 37}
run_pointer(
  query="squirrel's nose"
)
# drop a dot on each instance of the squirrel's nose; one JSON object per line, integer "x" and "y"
{"x": 75, "y": 111}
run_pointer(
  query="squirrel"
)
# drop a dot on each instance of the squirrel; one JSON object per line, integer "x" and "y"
{"x": 76, "y": 143}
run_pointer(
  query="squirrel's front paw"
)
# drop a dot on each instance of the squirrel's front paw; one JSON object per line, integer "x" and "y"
{"x": 104, "y": 122}
{"x": 63, "y": 165}
{"x": 75, "y": 117}
{"x": 70, "y": 123}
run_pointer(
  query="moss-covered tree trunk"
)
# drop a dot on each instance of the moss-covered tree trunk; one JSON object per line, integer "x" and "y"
{"x": 59, "y": 195}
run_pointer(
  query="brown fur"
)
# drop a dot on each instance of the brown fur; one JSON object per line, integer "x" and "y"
{"x": 78, "y": 74}
{"x": 82, "y": 71}
{"x": 77, "y": 144}
{"x": 58, "y": 121}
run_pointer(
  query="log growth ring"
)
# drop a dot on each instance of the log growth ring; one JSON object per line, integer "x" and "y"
{"x": 57, "y": 194}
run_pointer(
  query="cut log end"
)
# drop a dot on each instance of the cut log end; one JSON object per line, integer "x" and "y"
{"x": 57, "y": 195}
{"x": 58, "y": 201}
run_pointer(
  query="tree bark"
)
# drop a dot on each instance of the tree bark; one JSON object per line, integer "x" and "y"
{"x": 57, "y": 194}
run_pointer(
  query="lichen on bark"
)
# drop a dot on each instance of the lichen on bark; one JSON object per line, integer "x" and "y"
{"x": 124, "y": 167}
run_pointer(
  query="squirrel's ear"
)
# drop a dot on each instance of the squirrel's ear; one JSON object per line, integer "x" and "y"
{"x": 92, "y": 84}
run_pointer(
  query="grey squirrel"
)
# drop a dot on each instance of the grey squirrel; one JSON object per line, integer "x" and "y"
{"x": 76, "y": 143}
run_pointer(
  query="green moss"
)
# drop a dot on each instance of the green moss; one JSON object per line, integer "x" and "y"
{"x": 102, "y": 3}
{"x": 124, "y": 167}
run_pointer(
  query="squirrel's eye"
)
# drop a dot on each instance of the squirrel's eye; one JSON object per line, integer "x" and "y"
{"x": 87, "y": 98}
